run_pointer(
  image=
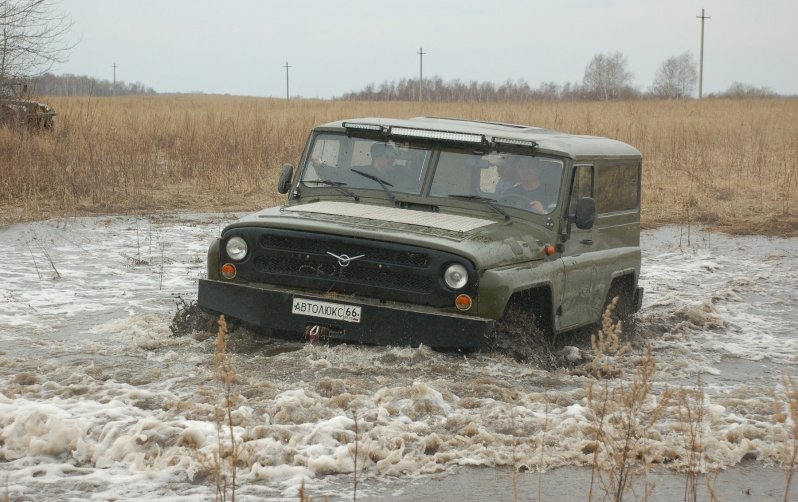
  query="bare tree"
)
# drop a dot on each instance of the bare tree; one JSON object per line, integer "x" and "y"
{"x": 606, "y": 77}
{"x": 740, "y": 90}
{"x": 676, "y": 78}
{"x": 32, "y": 38}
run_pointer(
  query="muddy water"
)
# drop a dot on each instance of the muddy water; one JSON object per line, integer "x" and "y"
{"x": 98, "y": 399}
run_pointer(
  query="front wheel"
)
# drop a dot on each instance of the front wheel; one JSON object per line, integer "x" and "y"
{"x": 524, "y": 332}
{"x": 622, "y": 297}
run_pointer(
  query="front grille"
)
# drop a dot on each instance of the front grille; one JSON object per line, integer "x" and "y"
{"x": 359, "y": 272}
{"x": 386, "y": 271}
{"x": 284, "y": 243}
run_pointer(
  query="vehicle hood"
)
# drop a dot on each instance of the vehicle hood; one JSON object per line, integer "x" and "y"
{"x": 27, "y": 103}
{"x": 486, "y": 241}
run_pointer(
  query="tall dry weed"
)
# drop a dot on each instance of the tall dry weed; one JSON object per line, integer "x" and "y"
{"x": 226, "y": 459}
{"x": 729, "y": 163}
{"x": 624, "y": 408}
{"x": 691, "y": 414}
{"x": 786, "y": 416}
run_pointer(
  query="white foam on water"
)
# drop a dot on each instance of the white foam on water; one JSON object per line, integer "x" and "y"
{"x": 97, "y": 400}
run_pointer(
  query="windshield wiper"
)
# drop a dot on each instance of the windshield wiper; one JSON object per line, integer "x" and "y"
{"x": 384, "y": 184}
{"x": 480, "y": 198}
{"x": 338, "y": 185}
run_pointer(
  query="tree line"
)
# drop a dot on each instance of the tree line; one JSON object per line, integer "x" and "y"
{"x": 606, "y": 78}
{"x": 82, "y": 85}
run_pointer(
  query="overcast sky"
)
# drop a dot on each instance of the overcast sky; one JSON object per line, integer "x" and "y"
{"x": 333, "y": 47}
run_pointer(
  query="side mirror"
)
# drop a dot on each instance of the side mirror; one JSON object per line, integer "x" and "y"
{"x": 585, "y": 215}
{"x": 284, "y": 183}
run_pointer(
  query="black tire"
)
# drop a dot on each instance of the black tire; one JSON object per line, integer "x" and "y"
{"x": 524, "y": 331}
{"x": 624, "y": 311}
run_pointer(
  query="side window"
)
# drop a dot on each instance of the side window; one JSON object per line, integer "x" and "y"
{"x": 618, "y": 187}
{"x": 582, "y": 185}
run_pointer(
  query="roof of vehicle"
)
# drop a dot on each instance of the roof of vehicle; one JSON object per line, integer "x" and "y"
{"x": 548, "y": 141}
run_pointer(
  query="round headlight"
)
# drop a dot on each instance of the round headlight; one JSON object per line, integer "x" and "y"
{"x": 236, "y": 248}
{"x": 455, "y": 276}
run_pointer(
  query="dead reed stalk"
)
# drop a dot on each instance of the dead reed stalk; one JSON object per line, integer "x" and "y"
{"x": 56, "y": 274}
{"x": 691, "y": 415}
{"x": 623, "y": 406}
{"x": 786, "y": 415}
{"x": 227, "y": 451}
{"x": 354, "y": 457}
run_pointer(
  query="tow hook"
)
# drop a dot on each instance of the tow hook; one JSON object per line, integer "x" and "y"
{"x": 313, "y": 332}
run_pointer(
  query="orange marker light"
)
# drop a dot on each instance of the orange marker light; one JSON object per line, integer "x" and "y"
{"x": 463, "y": 302}
{"x": 549, "y": 250}
{"x": 228, "y": 270}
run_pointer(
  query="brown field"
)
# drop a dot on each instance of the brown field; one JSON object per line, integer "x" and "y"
{"x": 731, "y": 164}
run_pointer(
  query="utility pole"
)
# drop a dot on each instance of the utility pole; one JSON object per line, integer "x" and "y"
{"x": 701, "y": 63}
{"x": 287, "y": 95}
{"x": 420, "y": 71}
{"x": 113, "y": 90}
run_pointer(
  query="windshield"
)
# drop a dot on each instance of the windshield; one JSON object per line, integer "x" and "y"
{"x": 511, "y": 180}
{"x": 338, "y": 160}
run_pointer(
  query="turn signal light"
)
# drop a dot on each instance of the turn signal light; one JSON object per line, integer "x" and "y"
{"x": 463, "y": 302}
{"x": 228, "y": 270}
{"x": 549, "y": 250}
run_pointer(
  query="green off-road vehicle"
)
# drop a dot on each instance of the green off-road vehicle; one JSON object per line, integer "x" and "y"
{"x": 439, "y": 232}
{"x": 19, "y": 111}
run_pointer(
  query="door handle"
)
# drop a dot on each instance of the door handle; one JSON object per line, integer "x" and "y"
{"x": 586, "y": 242}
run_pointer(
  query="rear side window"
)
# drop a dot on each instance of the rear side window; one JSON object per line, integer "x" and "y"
{"x": 617, "y": 187}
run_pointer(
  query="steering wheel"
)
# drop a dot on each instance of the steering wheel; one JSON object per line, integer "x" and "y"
{"x": 515, "y": 200}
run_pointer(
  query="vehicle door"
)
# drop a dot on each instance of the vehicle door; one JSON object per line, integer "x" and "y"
{"x": 576, "y": 307}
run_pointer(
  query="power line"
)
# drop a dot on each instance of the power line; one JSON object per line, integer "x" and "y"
{"x": 286, "y": 80}
{"x": 701, "y": 63}
{"x": 420, "y": 71}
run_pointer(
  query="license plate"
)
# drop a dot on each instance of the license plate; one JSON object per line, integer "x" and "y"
{"x": 327, "y": 310}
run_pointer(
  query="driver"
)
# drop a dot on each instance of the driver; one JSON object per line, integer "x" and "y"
{"x": 530, "y": 193}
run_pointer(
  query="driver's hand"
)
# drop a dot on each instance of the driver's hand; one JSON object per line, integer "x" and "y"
{"x": 315, "y": 161}
{"x": 537, "y": 206}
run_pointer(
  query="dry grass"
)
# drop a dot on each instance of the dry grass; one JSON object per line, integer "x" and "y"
{"x": 730, "y": 164}
{"x": 786, "y": 414}
{"x": 625, "y": 410}
{"x": 226, "y": 457}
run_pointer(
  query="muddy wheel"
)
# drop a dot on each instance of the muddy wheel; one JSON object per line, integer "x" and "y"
{"x": 624, "y": 310}
{"x": 524, "y": 332}
{"x": 191, "y": 318}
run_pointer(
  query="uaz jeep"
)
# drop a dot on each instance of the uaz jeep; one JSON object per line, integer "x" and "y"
{"x": 18, "y": 111}
{"x": 435, "y": 231}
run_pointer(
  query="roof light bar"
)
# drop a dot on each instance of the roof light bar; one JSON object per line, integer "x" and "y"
{"x": 363, "y": 127}
{"x": 516, "y": 142}
{"x": 459, "y": 137}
